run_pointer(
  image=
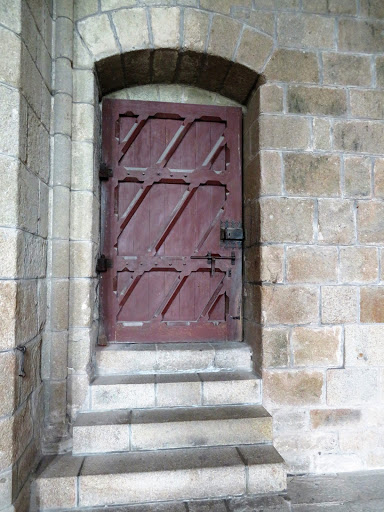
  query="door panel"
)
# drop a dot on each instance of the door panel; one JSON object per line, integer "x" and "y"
{"x": 176, "y": 182}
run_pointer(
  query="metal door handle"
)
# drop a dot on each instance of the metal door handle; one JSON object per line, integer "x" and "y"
{"x": 212, "y": 259}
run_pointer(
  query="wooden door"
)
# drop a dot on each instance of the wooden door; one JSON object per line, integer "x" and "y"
{"x": 170, "y": 213}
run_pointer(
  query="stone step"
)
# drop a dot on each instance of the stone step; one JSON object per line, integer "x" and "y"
{"x": 174, "y": 390}
{"x": 71, "y": 482}
{"x": 172, "y": 357}
{"x": 151, "y": 429}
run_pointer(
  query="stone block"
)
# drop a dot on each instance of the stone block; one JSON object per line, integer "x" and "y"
{"x": 372, "y": 9}
{"x": 59, "y": 308}
{"x": 329, "y": 6}
{"x": 380, "y": 71}
{"x": 83, "y": 300}
{"x": 305, "y": 31}
{"x": 379, "y": 177}
{"x": 339, "y": 304}
{"x": 81, "y": 343}
{"x": 8, "y": 297}
{"x": 254, "y": 49}
{"x": 275, "y": 348}
{"x": 164, "y": 65}
{"x": 10, "y": 74}
{"x": 284, "y": 132}
{"x": 117, "y": 393}
{"x": 132, "y": 29}
{"x": 367, "y": 104}
{"x": 343, "y": 69}
{"x": 262, "y": 21}
{"x": 286, "y": 220}
{"x": 83, "y": 86}
{"x": 9, "y": 251}
{"x": 266, "y": 471}
{"x": 234, "y": 389}
{"x": 317, "y": 100}
{"x": 100, "y": 438}
{"x": 265, "y": 264}
{"x": 176, "y": 392}
{"x": 60, "y": 258}
{"x": 372, "y": 304}
{"x": 9, "y": 369}
{"x": 96, "y": 32}
{"x": 351, "y": 386}
{"x": 43, "y": 209}
{"x": 61, "y": 168}
{"x": 166, "y": 27}
{"x": 224, "y": 6}
{"x": 293, "y": 387}
{"x": 83, "y": 8}
{"x": 357, "y": 176}
{"x": 359, "y": 264}
{"x": 82, "y": 165}
{"x": 317, "y": 347}
{"x": 361, "y": 36}
{"x": 196, "y": 26}
{"x": 82, "y": 259}
{"x": 363, "y": 346}
{"x": 293, "y": 66}
{"x": 108, "y": 5}
{"x": 9, "y": 170}
{"x": 334, "y": 418}
{"x": 270, "y": 98}
{"x": 82, "y": 220}
{"x": 322, "y": 134}
{"x": 60, "y": 208}
{"x": 223, "y": 38}
{"x": 6, "y": 488}
{"x": 336, "y": 222}
{"x": 263, "y": 176}
{"x": 312, "y": 175}
{"x": 311, "y": 264}
{"x": 11, "y": 15}
{"x": 81, "y": 56}
{"x": 370, "y": 222}
{"x": 63, "y": 114}
{"x": 83, "y": 122}
{"x": 26, "y": 311}
{"x": 289, "y": 304}
{"x": 10, "y": 121}
{"x": 359, "y": 136}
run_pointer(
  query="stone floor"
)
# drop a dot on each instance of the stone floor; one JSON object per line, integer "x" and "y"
{"x": 344, "y": 492}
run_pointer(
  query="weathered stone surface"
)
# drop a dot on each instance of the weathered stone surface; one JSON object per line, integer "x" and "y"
{"x": 293, "y": 66}
{"x": 334, "y": 418}
{"x": 367, "y": 104}
{"x": 97, "y": 33}
{"x": 312, "y": 175}
{"x": 286, "y": 220}
{"x": 363, "y": 345}
{"x": 264, "y": 263}
{"x": 372, "y": 304}
{"x": 370, "y": 222}
{"x": 224, "y": 36}
{"x": 196, "y": 25}
{"x": 10, "y": 74}
{"x": 365, "y": 36}
{"x": 291, "y": 387}
{"x": 84, "y": 8}
{"x": 165, "y": 27}
{"x": 275, "y": 348}
{"x": 317, "y": 347}
{"x": 339, "y": 304}
{"x": 132, "y": 29}
{"x": 359, "y": 264}
{"x": 336, "y": 222}
{"x": 271, "y": 98}
{"x": 359, "y": 136}
{"x": 351, "y": 386}
{"x": 322, "y": 134}
{"x": 342, "y": 69}
{"x": 288, "y": 132}
{"x": 224, "y": 6}
{"x": 254, "y": 49}
{"x": 108, "y": 5}
{"x": 263, "y": 21}
{"x": 305, "y": 31}
{"x": 82, "y": 299}
{"x": 311, "y": 264}
{"x": 357, "y": 176}
{"x": 317, "y": 100}
{"x": 380, "y": 71}
{"x": 329, "y": 6}
{"x": 9, "y": 121}
{"x": 379, "y": 177}
{"x": 289, "y": 304}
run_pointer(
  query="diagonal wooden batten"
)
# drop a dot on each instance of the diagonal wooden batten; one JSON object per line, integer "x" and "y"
{"x": 132, "y": 134}
{"x": 135, "y": 204}
{"x": 207, "y": 308}
{"x": 175, "y": 142}
{"x": 129, "y": 291}
{"x": 210, "y": 228}
{"x": 175, "y": 215}
{"x": 214, "y": 153}
{"x": 171, "y": 295}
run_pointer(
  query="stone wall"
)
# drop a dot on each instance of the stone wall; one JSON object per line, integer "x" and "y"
{"x": 25, "y": 106}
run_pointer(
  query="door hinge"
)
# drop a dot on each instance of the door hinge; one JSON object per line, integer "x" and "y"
{"x": 105, "y": 172}
{"x": 103, "y": 264}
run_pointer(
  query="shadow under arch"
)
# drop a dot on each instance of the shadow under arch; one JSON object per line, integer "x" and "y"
{"x": 172, "y": 66}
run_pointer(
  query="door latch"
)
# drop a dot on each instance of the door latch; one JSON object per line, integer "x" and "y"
{"x": 227, "y": 233}
{"x": 103, "y": 264}
{"x": 212, "y": 260}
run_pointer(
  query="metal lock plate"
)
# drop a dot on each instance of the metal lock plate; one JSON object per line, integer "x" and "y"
{"x": 228, "y": 233}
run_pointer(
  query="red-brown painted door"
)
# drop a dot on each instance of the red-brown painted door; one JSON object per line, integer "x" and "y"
{"x": 176, "y": 186}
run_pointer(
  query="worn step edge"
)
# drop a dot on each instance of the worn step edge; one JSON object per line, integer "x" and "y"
{"x": 151, "y": 429}
{"x": 183, "y": 357}
{"x": 173, "y": 390}
{"x": 192, "y": 473}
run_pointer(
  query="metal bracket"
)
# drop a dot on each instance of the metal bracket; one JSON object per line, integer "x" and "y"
{"x": 105, "y": 172}
{"x": 231, "y": 234}
{"x": 23, "y": 350}
{"x": 212, "y": 259}
{"x": 103, "y": 264}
